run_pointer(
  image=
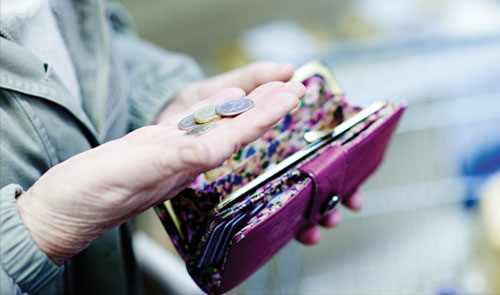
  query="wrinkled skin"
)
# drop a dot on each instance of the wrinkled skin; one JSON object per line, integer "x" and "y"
{"x": 87, "y": 195}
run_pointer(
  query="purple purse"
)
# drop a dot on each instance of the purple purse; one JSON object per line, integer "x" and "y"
{"x": 233, "y": 219}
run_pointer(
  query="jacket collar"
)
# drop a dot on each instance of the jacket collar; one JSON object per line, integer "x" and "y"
{"x": 23, "y": 72}
{"x": 88, "y": 41}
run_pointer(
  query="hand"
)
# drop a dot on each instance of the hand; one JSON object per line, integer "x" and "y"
{"x": 247, "y": 78}
{"x": 312, "y": 235}
{"x": 89, "y": 194}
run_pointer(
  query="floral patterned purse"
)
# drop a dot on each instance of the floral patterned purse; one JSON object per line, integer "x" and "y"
{"x": 233, "y": 219}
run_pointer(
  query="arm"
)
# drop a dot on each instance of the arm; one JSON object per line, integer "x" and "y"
{"x": 23, "y": 157}
{"x": 99, "y": 189}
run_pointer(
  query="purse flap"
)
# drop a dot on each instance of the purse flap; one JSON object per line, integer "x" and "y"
{"x": 340, "y": 169}
{"x": 327, "y": 172}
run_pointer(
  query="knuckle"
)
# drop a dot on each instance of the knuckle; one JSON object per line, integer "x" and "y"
{"x": 162, "y": 163}
{"x": 196, "y": 155}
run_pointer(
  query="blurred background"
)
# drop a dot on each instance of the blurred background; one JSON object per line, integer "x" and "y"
{"x": 431, "y": 223}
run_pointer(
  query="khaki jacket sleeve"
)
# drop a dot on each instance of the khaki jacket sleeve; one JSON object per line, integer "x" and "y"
{"x": 24, "y": 156}
{"x": 155, "y": 76}
{"x": 8, "y": 286}
{"x": 24, "y": 266}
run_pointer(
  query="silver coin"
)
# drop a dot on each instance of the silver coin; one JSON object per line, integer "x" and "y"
{"x": 234, "y": 107}
{"x": 187, "y": 123}
{"x": 200, "y": 129}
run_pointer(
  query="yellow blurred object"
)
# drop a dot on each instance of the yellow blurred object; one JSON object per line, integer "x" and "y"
{"x": 229, "y": 57}
{"x": 352, "y": 26}
{"x": 490, "y": 221}
{"x": 149, "y": 223}
{"x": 300, "y": 40}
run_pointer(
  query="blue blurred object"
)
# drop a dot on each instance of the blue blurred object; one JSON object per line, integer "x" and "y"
{"x": 482, "y": 165}
{"x": 447, "y": 290}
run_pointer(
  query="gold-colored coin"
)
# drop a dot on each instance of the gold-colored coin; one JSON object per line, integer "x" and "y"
{"x": 206, "y": 114}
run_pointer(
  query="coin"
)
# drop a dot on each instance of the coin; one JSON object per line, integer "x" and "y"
{"x": 206, "y": 114}
{"x": 187, "y": 123}
{"x": 234, "y": 107}
{"x": 201, "y": 129}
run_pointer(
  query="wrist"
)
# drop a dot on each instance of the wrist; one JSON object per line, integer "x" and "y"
{"x": 47, "y": 229}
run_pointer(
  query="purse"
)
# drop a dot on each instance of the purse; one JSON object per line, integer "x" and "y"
{"x": 231, "y": 220}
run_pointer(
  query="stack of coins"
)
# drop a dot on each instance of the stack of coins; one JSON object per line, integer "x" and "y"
{"x": 204, "y": 119}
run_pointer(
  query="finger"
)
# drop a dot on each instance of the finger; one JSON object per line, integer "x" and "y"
{"x": 260, "y": 92}
{"x": 310, "y": 236}
{"x": 272, "y": 101}
{"x": 177, "y": 152}
{"x": 223, "y": 95}
{"x": 332, "y": 220}
{"x": 251, "y": 76}
{"x": 269, "y": 108}
{"x": 355, "y": 201}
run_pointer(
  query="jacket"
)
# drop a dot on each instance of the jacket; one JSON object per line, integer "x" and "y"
{"x": 124, "y": 83}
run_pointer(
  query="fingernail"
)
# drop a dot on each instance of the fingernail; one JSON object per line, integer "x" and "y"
{"x": 297, "y": 88}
